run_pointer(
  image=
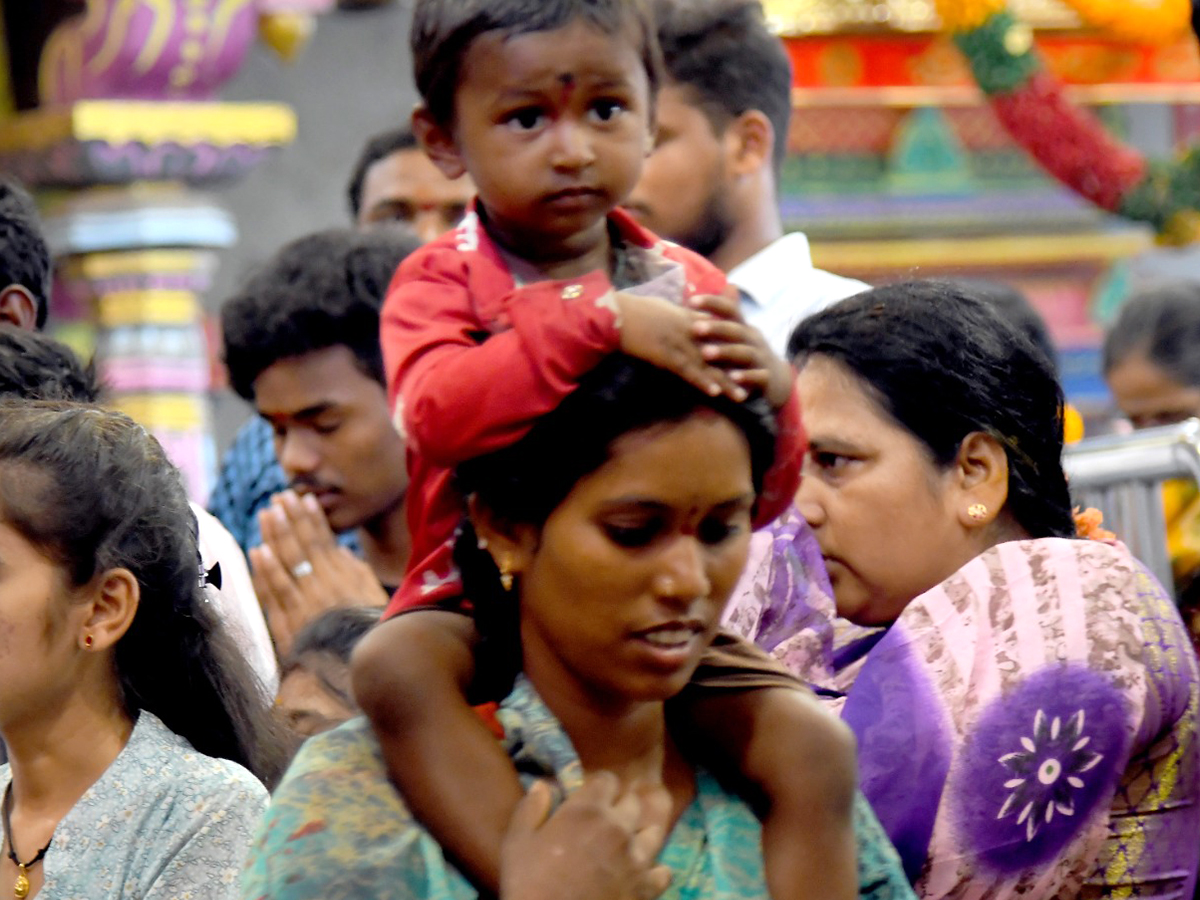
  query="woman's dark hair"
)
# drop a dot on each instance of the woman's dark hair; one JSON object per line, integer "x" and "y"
{"x": 1015, "y": 309}
{"x": 943, "y": 364}
{"x": 524, "y": 483}
{"x": 94, "y": 491}
{"x": 443, "y": 31}
{"x": 1162, "y": 324}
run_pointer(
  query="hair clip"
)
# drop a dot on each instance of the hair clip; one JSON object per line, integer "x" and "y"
{"x": 211, "y": 576}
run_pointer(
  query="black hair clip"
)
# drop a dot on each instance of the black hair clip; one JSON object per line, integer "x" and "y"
{"x": 211, "y": 576}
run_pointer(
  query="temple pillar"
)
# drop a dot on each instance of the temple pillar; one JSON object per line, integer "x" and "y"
{"x": 135, "y": 238}
{"x": 120, "y": 141}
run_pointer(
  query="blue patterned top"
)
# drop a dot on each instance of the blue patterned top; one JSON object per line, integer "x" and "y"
{"x": 162, "y": 823}
{"x": 337, "y": 829}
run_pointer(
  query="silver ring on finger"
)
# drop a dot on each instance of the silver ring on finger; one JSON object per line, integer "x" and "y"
{"x": 302, "y": 569}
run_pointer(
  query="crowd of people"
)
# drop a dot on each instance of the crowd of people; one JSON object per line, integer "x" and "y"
{"x": 587, "y": 540}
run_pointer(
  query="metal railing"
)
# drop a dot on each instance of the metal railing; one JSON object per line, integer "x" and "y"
{"x": 1122, "y": 476}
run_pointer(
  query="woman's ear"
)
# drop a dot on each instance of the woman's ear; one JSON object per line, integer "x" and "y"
{"x": 438, "y": 143}
{"x": 981, "y": 476}
{"x": 511, "y": 545}
{"x": 114, "y": 599}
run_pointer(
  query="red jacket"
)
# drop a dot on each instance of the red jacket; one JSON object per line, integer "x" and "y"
{"x": 473, "y": 359}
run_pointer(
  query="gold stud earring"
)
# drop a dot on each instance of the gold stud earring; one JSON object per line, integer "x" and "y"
{"x": 87, "y": 641}
{"x": 506, "y": 576}
{"x": 977, "y": 511}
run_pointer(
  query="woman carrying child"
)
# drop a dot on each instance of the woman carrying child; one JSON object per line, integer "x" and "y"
{"x": 549, "y": 108}
{"x": 622, "y": 520}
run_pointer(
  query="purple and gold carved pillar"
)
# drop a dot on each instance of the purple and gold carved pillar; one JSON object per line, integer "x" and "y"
{"x": 120, "y": 151}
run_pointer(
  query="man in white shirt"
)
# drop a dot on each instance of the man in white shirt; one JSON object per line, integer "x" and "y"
{"x": 711, "y": 183}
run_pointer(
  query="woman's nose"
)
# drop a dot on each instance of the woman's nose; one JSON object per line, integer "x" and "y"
{"x": 808, "y": 502}
{"x": 683, "y": 576}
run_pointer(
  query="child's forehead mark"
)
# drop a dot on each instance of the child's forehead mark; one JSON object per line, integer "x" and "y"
{"x": 567, "y": 81}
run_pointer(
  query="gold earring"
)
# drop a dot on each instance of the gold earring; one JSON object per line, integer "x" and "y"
{"x": 977, "y": 511}
{"x": 87, "y": 641}
{"x": 506, "y": 576}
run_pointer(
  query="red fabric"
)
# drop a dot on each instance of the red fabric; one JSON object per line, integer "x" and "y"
{"x": 472, "y": 360}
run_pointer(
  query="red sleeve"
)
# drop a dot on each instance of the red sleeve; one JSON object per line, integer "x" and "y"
{"x": 465, "y": 391}
{"x": 783, "y": 478}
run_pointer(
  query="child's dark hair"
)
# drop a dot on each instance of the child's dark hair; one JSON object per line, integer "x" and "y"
{"x": 524, "y": 483}
{"x": 1162, "y": 324}
{"x": 94, "y": 491}
{"x": 24, "y": 254}
{"x": 944, "y": 364}
{"x": 443, "y": 30}
{"x": 323, "y": 290}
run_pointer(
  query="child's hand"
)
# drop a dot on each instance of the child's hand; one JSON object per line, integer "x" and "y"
{"x": 600, "y": 844}
{"x": 727, "y": 342}
{"x": 662, "y": 333}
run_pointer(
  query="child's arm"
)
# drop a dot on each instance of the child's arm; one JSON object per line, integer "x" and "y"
{"x": 453, "y": 773}
{"x": 463, "y": 390}
{"x": 798, "y": 762}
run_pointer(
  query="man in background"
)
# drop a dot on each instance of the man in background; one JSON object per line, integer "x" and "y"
{"x": 302, "y": 344}
{"x": 712, "y": 181}
{"x": 393, "y": 182}
{"x": 24, "y": 260}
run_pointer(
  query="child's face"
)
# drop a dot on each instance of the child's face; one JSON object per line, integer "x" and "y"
{"x": 553, "y": 127}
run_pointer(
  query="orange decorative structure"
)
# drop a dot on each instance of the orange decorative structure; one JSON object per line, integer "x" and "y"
{"x": 900, "y": 165}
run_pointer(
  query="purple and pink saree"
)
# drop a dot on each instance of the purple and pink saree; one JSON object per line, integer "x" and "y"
{"x": 1027, "y": 728}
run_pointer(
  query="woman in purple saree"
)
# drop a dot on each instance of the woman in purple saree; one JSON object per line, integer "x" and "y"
{"x": 1025, "y": 702}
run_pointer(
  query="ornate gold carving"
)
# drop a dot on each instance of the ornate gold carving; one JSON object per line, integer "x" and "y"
{"x": 796, "y": 17}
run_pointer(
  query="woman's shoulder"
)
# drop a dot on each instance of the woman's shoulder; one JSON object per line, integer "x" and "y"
{"x": 335, "y": 803}
{"x": 160, "y": 765}
{"x": 1094, "y": 579}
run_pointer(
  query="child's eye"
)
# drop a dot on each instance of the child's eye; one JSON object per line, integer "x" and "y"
{"x": 524, "y": 119}
{"x": 607, "y": 110}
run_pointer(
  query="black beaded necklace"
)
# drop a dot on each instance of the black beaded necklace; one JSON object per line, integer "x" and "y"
{"x": 21, "y": 886}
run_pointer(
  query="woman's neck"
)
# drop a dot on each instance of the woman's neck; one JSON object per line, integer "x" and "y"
{"x": 57, "y": 755}
{"x": 628, "y": 738}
